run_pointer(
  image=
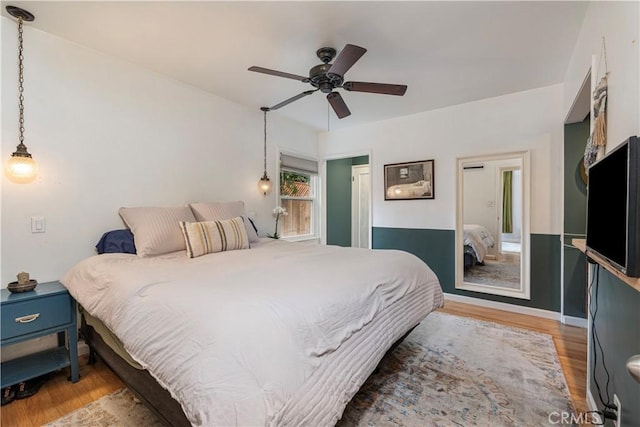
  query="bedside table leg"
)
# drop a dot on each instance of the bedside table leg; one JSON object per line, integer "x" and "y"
{"x": 72, "y": 333}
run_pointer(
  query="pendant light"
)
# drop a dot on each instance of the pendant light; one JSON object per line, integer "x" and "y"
{"x": 264, "y": 185}
{"x": 21, "y": 168}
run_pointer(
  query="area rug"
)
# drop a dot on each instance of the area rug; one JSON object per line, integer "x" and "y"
{"x": 450, "y": 371}
{"x": 456, "y": 371}
{"x": 118, "y": 409}
{"x": 493, "y": 273}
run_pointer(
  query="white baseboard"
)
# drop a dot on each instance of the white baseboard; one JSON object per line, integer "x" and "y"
{"x": 591, "y": 402}
{"x": 575, "y": 321}
{"x": 538, "y": 312}
{"x": 504, "y": 306}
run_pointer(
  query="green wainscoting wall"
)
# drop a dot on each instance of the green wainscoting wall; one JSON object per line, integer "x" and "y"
{"x": 575, "y": 219}
{"x": 618, "y": 327}
{"x": 437, "y": 249}
{"x": 575, "y": 281}
{"x": 338, "y": 184}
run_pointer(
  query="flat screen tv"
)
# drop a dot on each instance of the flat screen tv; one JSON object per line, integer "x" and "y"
{"x": 613, "y": 208}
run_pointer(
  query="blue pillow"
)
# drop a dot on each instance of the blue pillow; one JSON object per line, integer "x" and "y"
{"x": 116, "y": 241}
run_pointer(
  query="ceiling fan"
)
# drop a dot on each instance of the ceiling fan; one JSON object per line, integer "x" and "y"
{"x": 327, "y": 77}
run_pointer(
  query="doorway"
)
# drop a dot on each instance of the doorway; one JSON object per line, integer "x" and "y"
{"x": 574, "y": 265}
{"x": 348, "y": 202}
{"x": 509, "y": 218}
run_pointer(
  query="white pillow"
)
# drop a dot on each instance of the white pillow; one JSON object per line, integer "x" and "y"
{"x": 156, "y": 231}
{"x": 208, "y": 237}
{"x": 217, "y": 211}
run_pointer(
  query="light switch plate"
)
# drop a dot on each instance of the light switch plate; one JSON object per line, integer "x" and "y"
{"x": 38, "y": 224}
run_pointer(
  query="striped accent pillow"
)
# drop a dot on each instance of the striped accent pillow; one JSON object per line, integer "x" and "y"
{"x": 208, "y": 237}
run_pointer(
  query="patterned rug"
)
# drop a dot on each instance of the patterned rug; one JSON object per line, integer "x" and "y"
{"x": 118, "y": 409}
{"x": 494, "y": 273}
{"x": 456, "y": 371}
{"x": 450, "y": 371}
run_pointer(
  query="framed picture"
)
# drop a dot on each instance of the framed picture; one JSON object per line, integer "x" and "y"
{"x": 409, "y": 181}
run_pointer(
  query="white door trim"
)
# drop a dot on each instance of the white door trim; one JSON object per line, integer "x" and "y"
{"x": 357, "y": 173}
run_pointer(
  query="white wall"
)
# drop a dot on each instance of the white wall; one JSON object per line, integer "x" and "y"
{"x": 107, "y": 134}
{"x": 527, "y": 120}
{"x": 617, "y": 22}
{"x": 480, "y": 198}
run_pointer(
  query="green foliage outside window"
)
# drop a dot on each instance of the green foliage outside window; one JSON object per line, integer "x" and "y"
{"x": 293, "y": 184}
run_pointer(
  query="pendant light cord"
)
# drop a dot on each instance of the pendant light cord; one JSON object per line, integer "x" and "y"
{"x": 328, "y": 118}
{"x": 265, "y": 142}
{"x": 20, "y": 81}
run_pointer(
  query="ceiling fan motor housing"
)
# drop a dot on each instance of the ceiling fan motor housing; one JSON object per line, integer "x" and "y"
{"x": 318, "y": 75}
{"x": 319, "y": 78}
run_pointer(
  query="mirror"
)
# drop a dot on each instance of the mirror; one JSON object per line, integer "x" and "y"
{"x": 492, "y": 224}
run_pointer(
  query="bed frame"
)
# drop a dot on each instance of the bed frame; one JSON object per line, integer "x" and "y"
{"x": 140, "y": 382}
{"x": 469, "y": 257}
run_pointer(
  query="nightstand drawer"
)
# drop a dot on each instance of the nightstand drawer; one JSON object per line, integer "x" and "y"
{"x": 21, "y": 318}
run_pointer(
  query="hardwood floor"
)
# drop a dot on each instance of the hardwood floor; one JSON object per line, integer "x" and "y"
{"x": 58, "y": 397}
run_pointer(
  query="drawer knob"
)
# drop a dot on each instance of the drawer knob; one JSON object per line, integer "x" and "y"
{"x": 28, "y": 318}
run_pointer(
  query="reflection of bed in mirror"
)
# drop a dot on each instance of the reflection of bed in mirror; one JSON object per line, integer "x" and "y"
{"x": 477, "y": 241}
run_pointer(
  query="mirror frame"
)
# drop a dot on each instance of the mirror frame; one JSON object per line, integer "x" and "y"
{"x": 524, "y": 292}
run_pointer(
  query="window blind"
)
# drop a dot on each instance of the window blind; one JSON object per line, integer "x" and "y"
{"x": 298, "y": 164}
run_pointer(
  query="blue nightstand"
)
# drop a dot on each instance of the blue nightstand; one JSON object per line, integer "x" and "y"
{"x": 48, "y": 309}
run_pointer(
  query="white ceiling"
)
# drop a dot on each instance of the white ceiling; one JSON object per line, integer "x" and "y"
{"x": 446, "y": 52}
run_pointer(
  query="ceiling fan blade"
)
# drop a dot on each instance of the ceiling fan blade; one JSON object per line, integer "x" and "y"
{"x": 279, "y": 74}
{"x": 345, "y": 59}
{"x": 382, "y": 88}
{"x": 292, "y": 99}
{"x": 338, "y": 105}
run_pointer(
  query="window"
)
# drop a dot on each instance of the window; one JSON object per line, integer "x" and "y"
{"x": 298, "y": 193}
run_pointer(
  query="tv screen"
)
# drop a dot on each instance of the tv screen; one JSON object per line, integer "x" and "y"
{"x": 612, "y": 207}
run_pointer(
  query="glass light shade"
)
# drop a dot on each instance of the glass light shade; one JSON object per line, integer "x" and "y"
{"x": 264, "y": 185}
{"x": 21, "y": 169}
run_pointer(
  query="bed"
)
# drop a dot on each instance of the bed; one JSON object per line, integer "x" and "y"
{"x": 416, "y": 189}
{"x": 279, "y": 334}
{"x": 477, "y": 241}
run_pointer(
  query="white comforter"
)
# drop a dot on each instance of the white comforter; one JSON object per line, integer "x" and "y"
{"x": 479, "y": 239}
{"x": 234, "y": 335}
